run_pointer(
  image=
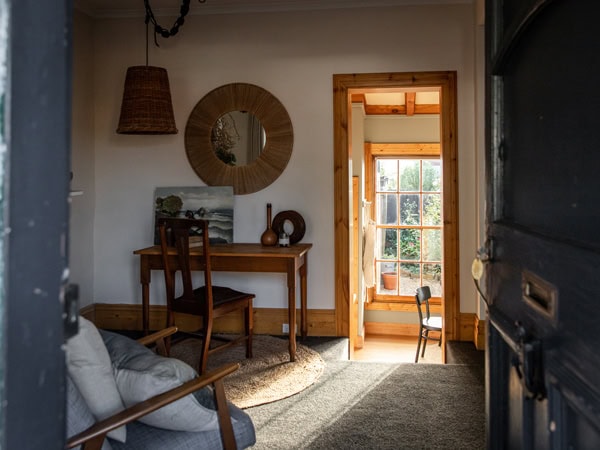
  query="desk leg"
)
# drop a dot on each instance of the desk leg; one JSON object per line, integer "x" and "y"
{"x": 291, "y": 280}
{"x": 303, "y": 307}
{"x": 145, "y": 281}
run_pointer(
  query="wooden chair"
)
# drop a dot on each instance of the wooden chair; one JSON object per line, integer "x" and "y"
{"x": 208, "y": 301}
{"x": 427, "y": 323}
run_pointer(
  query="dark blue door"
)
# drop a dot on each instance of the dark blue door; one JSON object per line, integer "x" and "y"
{"x": 36, "y": 126}
{"x": 543, "y": 171}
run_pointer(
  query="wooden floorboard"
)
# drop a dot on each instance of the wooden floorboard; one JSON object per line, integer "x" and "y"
{"x": 394, "y": 349}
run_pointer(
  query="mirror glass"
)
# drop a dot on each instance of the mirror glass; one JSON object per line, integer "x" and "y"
{"x": 238, "y": 138}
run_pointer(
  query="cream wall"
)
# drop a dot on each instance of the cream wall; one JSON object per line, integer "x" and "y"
{"x": 293, "y": 55}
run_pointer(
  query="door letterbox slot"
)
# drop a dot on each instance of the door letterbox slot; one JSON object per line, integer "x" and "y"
{"x": 540, "y": 294}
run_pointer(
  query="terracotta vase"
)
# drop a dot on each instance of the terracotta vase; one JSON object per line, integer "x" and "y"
{"x": 269, "y": 237}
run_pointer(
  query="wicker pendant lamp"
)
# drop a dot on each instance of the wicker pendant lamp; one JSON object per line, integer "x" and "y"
{"x": 146, "y": 107}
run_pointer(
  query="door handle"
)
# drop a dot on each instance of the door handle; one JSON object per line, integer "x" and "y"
{"x": 484, "y": 255}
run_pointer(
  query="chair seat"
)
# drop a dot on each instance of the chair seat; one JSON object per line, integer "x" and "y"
{"x": 221, "y": 296}
{"x": 146, "y": 437}
{"x": 433, "y": 323}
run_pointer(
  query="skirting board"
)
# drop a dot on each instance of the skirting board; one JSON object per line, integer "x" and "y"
{"x": 321, "y": 322}
{"x": 471, "y": 328}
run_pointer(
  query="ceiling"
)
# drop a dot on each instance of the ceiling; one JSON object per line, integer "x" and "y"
{"x": 132, "y": 8}
{"x": 406, "y": 102}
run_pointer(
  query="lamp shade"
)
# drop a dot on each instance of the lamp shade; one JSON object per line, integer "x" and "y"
{"x": 146, "y": 106}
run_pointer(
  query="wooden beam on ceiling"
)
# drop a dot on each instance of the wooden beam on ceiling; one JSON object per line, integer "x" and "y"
{"x": 409, "y": 100}
{"x": 408, "y": 109}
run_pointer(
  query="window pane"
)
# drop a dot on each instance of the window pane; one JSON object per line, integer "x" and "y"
{"x": 387, "y": 209}
{"x": 409, "y": 175}
{"x": 389, "y": 244}
{"x": 408, "y": 204}
{"x": 432, "y": 277}
{"x": 410, "y": 244}
{"x": 432, "y": 245}
{"x": 432, "y": 175}
{"x": 387, "y": 175}
{"x": 409, "y": 209}
{"x": 432, "y": 209}
{"x": 409, "y": 278}
{"x": 388, "y": 278}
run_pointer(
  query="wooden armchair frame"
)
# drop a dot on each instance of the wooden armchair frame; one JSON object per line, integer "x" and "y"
{"x": 93, "y": 437}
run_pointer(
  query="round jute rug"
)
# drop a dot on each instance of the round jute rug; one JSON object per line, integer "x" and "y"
{"x": 267, "y": 377}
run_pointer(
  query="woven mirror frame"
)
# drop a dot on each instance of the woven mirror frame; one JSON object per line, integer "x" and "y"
{"x": 273, "y": 117}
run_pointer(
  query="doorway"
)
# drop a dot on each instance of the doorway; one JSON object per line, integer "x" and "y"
{"x": 344, "y": 87}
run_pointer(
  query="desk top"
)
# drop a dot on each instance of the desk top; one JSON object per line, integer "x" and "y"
{"x": 241, "y": 249}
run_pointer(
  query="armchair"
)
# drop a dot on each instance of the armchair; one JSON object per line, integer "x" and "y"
{"x": 233, "y": 428}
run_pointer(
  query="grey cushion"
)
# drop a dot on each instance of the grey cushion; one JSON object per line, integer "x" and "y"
{"x": 141, "y": 374}
{"x": 79, "y": 416}
{"x": 89, "y": 367}
{"x": 145, "y": 437}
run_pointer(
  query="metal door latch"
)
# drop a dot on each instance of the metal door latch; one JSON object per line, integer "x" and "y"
{"x": 528, "y": 363}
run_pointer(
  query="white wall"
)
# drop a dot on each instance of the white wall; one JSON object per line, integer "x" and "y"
{"x": 292, "y": 55}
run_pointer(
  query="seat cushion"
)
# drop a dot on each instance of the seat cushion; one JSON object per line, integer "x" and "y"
{"x": 79, "y": 416}
{"x": 89, "y": 366}
{"x": 145, "y": 437}
{"x": 141, "y": 374}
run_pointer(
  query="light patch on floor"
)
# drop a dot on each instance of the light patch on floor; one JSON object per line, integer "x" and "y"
{"x": 395, "y": 349}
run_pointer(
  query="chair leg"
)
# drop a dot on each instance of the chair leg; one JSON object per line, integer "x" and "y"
{"x": 205, "y": 346}
{"x": 170, "y": 323}
{"x": 249, "y": 328}
{"x": 419, "y": 344}
{"x": 425, "y": 339}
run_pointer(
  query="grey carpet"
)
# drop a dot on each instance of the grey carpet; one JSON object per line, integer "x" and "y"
{"x": 362, "y": 405}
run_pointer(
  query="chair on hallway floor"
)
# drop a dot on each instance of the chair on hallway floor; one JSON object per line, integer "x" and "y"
{"x": 427, "y": 322}
{"x": 208, "y": 301}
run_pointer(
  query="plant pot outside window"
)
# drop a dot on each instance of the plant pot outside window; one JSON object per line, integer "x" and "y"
{"x": 390, "y": 280}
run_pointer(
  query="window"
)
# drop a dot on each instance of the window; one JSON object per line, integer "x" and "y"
{"x": 408, "y": 216}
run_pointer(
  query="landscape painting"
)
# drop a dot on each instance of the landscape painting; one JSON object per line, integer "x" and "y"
{"x": 211, "y": 203}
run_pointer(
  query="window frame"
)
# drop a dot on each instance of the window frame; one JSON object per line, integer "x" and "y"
{"x": 372, "y": 151}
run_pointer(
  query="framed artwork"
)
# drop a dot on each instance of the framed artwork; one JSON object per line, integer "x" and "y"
{"x": 212, "y": 203}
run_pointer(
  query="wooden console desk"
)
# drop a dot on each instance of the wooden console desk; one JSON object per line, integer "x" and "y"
{"x": 243, "y": 258}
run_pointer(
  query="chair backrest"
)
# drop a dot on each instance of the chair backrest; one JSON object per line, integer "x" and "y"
{"x": 175, "y": 241}
{"x": 422, "y": 297}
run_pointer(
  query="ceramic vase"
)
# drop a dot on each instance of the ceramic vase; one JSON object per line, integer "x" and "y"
{"x": 269, "y": 237}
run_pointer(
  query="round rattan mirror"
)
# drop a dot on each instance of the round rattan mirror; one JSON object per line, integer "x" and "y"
{"x": 273, "y": 118}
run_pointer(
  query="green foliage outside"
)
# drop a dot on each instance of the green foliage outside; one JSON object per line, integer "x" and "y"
{"x": 411, "y": 241}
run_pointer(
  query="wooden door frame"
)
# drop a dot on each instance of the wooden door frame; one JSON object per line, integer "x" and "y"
{"x": 343, "y": 87}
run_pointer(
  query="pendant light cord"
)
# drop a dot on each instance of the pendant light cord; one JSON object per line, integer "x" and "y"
{"x": 185, "y": 8}
{"x": 146, "y": 43}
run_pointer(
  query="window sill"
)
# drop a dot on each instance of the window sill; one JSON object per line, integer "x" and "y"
{"x": 399, "y": 304}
